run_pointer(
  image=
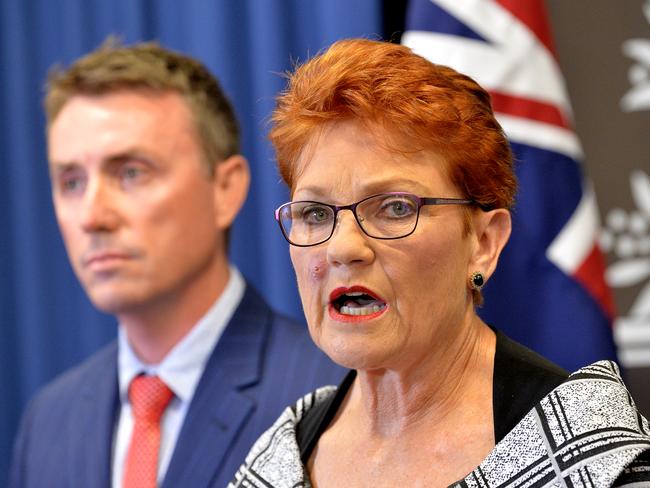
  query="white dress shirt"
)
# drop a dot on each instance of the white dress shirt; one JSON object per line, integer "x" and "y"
{"x": 181, "y": 370}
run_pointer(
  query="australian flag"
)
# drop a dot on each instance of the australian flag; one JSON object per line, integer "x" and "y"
{"x": 548, "y": 291}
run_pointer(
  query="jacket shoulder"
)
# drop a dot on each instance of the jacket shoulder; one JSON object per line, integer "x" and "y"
{"x": 61, "y": 415}
{"x": 67, "y": 385}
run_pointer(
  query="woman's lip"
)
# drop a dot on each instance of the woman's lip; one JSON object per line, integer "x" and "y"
{"x": 343, "y": 290}
{"x": 339, "y": 317}
{"x": 335, "y": 313}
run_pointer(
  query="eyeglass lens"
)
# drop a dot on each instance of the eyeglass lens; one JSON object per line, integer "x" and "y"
{"x": 381, "y": 216}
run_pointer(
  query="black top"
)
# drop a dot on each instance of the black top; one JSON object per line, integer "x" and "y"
{"x": 521, "y": 379}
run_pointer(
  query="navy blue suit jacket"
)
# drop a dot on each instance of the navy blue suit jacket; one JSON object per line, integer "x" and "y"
{"x": 262, "y": 363}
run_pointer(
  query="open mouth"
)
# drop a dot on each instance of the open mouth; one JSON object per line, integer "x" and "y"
{"x": 356, "y": 302}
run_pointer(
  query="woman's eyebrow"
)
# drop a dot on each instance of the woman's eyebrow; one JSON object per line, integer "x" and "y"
{"x": 396, "y": 185}
{"x": 370, "y": 188}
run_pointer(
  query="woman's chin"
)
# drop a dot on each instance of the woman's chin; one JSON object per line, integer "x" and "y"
{"x": 359, "y": 357}
{"x": 357, "y": 345}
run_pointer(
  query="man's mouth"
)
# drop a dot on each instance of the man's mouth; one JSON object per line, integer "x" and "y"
{"x": 356, "y": 302}
{"x": 103, "y": 259}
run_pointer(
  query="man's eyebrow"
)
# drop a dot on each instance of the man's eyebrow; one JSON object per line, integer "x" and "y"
{"x": 112, "y": 159}
{"x": 61, "y": 166}
{"x": 119, "y": 158}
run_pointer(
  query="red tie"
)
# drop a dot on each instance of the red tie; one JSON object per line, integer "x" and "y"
{"x": 149, "y": 397}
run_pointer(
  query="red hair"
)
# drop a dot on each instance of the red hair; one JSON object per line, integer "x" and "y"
{"x": 421, "y": 106}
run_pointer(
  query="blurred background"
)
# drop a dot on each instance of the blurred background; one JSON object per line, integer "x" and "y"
{"x": 544, "y": 294}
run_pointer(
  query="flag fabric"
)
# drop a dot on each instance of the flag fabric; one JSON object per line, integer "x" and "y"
{"x": 549, "y": 290}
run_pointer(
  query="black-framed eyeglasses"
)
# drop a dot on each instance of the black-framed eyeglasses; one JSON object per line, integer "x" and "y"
{"x": 384, "y": 216}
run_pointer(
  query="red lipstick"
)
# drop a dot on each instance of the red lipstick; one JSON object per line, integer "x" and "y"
{"x": 355, "y": 304}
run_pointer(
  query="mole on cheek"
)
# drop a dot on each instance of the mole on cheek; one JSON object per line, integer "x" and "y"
{"x": 317, "y": 269}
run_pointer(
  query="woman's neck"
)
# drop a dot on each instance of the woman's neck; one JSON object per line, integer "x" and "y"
{"x": 390, "y": 402}
{"x": 427, "y": 425}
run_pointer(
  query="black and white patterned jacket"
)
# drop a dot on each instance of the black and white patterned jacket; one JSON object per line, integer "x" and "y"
{"x": 585, "y": 433}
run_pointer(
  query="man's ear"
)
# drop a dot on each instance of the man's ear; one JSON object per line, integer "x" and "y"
{"x": 492, "y": 230}
{"x": 231, "y": 181}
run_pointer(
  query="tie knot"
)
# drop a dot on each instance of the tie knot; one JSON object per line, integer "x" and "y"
{"x": 149, "y": 397}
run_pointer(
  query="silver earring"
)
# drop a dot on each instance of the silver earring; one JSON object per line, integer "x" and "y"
{"x": 477, "y": 280}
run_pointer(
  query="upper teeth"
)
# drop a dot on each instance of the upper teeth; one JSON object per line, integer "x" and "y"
{"x": 360, "y": 310}
{"x": 355, "y": 294}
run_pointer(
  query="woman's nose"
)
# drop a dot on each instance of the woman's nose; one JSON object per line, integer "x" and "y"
{"x": 348, "y": 244}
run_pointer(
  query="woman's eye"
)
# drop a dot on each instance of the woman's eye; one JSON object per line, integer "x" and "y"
{"x": 315, "y": 215}
{"x": 398, "y": 208}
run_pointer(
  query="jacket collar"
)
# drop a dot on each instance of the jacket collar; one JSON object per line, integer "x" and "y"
{"x": 220, "y": 407}
{"x": 97, "y": 410}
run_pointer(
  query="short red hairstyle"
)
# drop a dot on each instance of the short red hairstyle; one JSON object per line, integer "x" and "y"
{"x": 423, "y": 106}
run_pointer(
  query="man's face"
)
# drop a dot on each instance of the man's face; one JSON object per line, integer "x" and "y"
{"x": 133, "y": 198}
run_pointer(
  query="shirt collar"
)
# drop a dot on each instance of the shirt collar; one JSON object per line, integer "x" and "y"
{"x": 183, "y": 366}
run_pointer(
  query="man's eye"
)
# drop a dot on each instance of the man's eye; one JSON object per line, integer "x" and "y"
{"x": 131, "y": 172}
{"x": 71, "y": 183}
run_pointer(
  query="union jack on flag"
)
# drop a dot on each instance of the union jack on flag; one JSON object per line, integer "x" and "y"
{"x": 549, "y": 290}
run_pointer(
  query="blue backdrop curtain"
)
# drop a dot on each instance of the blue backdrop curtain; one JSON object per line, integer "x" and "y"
{"x": 46, "y": 322}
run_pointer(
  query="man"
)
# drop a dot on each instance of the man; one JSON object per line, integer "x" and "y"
{"x": 146, "y": 180}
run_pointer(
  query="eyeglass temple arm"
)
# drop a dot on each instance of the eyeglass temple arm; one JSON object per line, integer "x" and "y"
{"x": 454, "y": 201}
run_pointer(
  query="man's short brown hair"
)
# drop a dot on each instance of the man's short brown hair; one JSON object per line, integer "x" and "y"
{"x": 148, "y": 66}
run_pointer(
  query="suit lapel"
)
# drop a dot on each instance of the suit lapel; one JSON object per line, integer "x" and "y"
{"x": 219, "y": 408}
{"x": 95, "y": 410}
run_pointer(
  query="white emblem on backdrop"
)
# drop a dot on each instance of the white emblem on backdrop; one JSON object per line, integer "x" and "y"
{"x": 638, "y": 96}
{"x": 626, "y": 235}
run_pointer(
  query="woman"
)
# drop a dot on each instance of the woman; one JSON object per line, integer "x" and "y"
{"x": 401, "y": 180}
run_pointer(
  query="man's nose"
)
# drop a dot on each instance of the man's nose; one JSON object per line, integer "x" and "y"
{"x": 98, "y": 211}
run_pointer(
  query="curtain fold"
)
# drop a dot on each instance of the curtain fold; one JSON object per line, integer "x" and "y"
{"x": 46, "y": 321}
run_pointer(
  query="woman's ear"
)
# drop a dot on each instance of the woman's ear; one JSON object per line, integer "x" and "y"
{"x": 231, "y": 181}
{"x": 492, "y": 231}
